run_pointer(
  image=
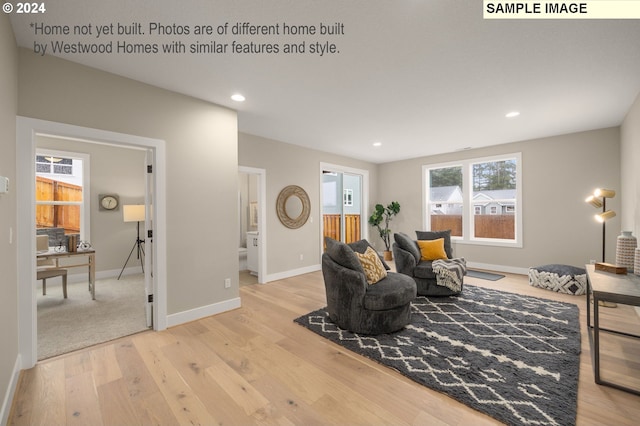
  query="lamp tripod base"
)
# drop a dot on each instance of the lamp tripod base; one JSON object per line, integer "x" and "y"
{"x": 139, "y": 245}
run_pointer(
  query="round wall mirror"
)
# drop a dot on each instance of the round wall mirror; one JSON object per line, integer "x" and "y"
{"x": 293, "y": 206}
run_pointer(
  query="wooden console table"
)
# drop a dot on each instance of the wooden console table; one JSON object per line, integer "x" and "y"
{"x": 91, "y": 264}
{"x": 617, "y": 288}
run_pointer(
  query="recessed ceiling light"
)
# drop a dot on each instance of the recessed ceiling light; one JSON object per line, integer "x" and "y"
{"x": 238, "y": 97}
{"x": 377, "y": 144}
{"x": 512, "y": 114}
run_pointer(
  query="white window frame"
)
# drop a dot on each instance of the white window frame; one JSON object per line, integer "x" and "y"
{"x": 85, "y": 204}
{"x": 468, "y": 210}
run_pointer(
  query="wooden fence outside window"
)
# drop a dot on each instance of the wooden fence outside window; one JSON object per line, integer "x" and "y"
{"x": 51, "y": 216}
{"x": 498, "y": 226}
{"x": 331, "y": 226}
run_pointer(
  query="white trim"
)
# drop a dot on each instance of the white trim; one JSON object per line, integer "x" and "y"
{"x": 498, "y": 268}
{"x": 202, "y": 312}
{"x": 26, "y": 130}
{"x": 78, "y": 276}
{"x": 10, "y": 392}
{"x": 262, "y": 219}
{"x": 293, "y": 273}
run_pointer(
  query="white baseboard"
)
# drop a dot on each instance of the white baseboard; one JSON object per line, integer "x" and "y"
{"x": 79, "y": 277}
{"x": 202, "y": 312}
{"x": 498, "y": 268}
{"x": 293, "y": 273}
{"x": 10, "y": 392}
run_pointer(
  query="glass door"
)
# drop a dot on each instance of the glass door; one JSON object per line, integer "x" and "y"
{"x": 342, "y": 204}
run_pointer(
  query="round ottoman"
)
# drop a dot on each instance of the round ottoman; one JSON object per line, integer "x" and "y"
{"x": 561, "y": 278}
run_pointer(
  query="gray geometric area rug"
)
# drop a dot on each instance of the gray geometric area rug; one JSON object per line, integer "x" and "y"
{"x": 512, "y": 357}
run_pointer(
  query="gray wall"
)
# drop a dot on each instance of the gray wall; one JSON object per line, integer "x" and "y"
{"x": 8, "y": 206}
{"x": 201, "y": 152}
{"x": 112, "y": 170}
{"x": 558, "y": 174}
{"x": 287, "y": 164}
{"x": 630, "y": 172}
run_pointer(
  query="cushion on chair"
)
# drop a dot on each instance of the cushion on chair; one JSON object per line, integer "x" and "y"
{"x": 432, "y": 249}
{"x": 434, "y": 235}
{"x": 406, "y": 243}
{"x": 361, "y": 246}
{"x": 424, "y": 269}
{"x": 343, "y": 255}
{"x": 373, "y": 268}
{"x": 391, "y": 292}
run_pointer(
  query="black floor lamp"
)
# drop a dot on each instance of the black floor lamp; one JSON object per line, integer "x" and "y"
{"x": 599, "y": 199}
{"x": 134, "y": 213}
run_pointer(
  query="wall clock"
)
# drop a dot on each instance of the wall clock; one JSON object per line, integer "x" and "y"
{"x": 109, "y": 202}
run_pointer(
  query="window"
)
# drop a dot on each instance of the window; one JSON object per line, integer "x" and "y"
{"x": 477, "y": 199}
{"x": 50, "y": 164}
{"x": 62, "y": 199}
{"x": 445, "y": 199}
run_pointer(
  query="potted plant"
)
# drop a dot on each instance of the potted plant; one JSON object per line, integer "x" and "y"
{"x": 385, "y": 214}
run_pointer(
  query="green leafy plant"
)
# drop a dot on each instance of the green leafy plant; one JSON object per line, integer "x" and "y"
{"x": 382, "y": 216}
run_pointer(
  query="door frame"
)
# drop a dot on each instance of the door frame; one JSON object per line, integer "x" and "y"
{"x": 26, "y": 131}
{"x": 364, "y": 230}
{"x": 262, "y": 219}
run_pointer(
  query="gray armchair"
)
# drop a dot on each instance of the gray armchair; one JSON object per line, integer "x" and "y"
{"x": 407, "y": 258}
{"x": 357, "y": 306}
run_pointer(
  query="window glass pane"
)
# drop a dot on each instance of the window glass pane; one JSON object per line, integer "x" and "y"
{"x": 62, "y": 218}
{"x": 65, "y": 217}
{"x": 445, "y": 199}
{"x": 494, "y": 199}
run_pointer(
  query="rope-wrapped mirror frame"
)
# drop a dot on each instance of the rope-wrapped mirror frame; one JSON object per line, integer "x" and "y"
{"x": 281, "y": 203}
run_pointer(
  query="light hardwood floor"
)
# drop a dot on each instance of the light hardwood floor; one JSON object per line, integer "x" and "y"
{"x": 254, "y": 365}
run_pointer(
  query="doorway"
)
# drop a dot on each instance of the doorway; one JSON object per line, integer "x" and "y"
{"x": 344, "y": 199}
{"x": 252, "y": 238}
{"x": 27, "y": 130}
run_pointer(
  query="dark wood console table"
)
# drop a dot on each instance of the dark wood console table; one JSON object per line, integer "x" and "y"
{"x": 617, "y": 288}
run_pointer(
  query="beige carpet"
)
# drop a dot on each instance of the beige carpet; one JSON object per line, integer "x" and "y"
{"x": 65, "y": 325}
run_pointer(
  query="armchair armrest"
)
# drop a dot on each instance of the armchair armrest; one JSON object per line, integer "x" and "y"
{"x": 405, "y": 262}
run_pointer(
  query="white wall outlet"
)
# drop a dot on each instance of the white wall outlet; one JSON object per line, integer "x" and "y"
{"x": 301, "y": 256}
{"x": 227, "y": 283}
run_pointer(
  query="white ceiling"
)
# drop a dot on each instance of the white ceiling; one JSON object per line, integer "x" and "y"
{"x": 420, "y": 76}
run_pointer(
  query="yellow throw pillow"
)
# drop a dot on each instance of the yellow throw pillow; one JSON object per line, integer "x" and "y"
{"x": 432, "y": 249}
{"x": 373, "y": 267}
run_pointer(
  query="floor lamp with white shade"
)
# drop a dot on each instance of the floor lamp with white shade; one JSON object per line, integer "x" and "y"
{"x": 134, "y": 213}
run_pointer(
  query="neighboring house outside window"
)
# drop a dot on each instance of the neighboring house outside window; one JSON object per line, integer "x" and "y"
{"x": 348, "y": 197}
